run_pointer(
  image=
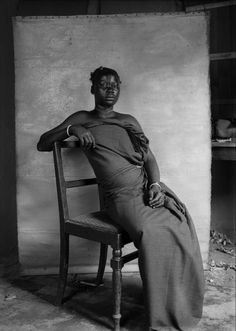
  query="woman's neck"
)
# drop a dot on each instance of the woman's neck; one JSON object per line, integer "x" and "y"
{"x": 103, "y": 112}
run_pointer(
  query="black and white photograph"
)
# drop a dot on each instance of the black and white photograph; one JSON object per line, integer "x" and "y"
{"x": 118, "y": 196}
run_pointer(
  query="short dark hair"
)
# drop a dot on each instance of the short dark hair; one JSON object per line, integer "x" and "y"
{"x": 103, "y": 71}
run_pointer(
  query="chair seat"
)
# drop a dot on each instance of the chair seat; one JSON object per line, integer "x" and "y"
{"x": 96, "y": 226}
{"x": 98, "y": 221}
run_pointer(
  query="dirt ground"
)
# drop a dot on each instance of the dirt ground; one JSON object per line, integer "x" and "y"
{"x": 27, "y": 302}
{"x": 221, "y": 261}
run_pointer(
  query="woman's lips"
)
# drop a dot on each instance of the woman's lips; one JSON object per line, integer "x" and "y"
{"x": 110, "y": 97}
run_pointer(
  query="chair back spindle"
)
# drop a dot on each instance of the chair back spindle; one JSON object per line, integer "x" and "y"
{"x": 62, "y": 183}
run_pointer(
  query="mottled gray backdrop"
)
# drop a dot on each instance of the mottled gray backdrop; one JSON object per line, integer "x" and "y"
{"x": 163, "y": 63}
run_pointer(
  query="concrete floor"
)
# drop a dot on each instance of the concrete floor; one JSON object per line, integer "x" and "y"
{"x": 27, "y": 302}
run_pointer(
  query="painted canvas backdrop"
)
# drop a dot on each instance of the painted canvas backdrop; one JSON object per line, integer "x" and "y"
{"x": 163, "y": 64}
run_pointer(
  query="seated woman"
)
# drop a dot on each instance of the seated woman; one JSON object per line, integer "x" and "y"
{"x": 169, "y": 257}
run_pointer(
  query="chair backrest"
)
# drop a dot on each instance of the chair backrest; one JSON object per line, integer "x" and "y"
{"x": 62, "y": 184}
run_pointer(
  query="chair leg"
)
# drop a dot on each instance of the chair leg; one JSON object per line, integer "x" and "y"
{"x": 102, "y": 264}
{"x": 116, "y": 264}
{"x": 64, "y": 258}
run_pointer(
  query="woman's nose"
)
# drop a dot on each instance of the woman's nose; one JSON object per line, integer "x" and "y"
{"x": 110, "y": 89}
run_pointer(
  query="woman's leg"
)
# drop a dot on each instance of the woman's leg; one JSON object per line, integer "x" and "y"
{"x": 169, "y": 262}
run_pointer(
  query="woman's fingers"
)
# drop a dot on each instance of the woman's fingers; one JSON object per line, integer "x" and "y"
{"x": 156, "y": 197}
{"x": 87, "y": 141}
{"x": 85, "y": 137}
{"x": 157, "y": 201}
{"x": 93, "y": 141}
{"x": 157, "y": 205}
{"x": 84, "y": 142}
{"x": 160, "y": 204}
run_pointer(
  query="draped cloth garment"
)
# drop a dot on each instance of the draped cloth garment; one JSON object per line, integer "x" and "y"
{"x": 169, "y": 256}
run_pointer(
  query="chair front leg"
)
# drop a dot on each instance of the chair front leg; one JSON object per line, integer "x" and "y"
{"x": 102, "y": 264}
{"x": 64, "y": 259}
{"x": 116, "y": 264}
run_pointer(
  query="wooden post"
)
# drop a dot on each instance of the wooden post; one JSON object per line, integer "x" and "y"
{"x": 9, "y": 262}
{"x": 94, "y": 7}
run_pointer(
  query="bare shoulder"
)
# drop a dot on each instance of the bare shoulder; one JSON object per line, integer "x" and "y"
{"x": 78, "y": 117}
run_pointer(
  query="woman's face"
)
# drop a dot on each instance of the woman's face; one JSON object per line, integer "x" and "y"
{"x": 106, "y": 91}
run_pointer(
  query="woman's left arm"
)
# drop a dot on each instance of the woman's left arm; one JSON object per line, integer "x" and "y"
{"x": 156, "y": 196}
{"x": 152, "y": 168}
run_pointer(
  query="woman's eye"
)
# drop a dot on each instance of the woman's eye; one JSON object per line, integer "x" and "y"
{"x": 106, "y": 86}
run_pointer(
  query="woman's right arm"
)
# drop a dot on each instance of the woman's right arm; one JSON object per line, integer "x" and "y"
{"x": 59, "y": 133}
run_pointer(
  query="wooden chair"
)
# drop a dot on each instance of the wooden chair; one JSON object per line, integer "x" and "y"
{"x": 94, "y": 226}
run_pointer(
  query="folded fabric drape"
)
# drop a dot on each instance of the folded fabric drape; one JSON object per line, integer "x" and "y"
{"x": 169, "y": 255}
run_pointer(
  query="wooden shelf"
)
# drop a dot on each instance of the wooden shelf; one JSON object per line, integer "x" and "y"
{"x": 222, "y": 56}
{"x": 210, "y": 5}
{"x": 223, "y": 101}
{"x": 229, "y": 144}
{"x": 224, "y": 151}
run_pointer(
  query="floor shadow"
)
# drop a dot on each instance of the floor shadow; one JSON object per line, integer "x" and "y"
{"x": 92, "y": 303}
